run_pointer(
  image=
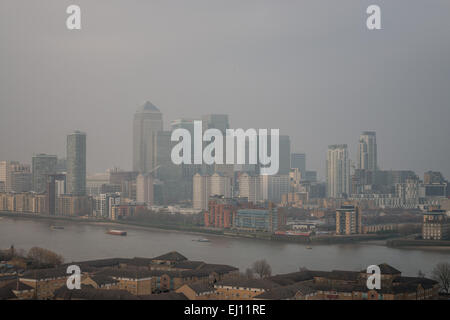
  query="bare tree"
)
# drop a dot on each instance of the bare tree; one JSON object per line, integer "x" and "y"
{"x": 262, "y": 268}
{"x": 249, "y": 274}
{"x": 420, "y": 274}
{"x": 441, "y": 273}
{"x": 45, "y": 257}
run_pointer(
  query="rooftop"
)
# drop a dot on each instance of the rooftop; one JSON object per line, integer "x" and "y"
{"x": 171, "y": 256}
{"x": 148, "y": 107}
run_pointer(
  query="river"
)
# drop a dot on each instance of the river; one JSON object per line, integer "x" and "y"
{"x": 83, "y": 241}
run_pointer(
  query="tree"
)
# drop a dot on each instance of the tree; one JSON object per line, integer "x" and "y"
{"x": 45, "y": 257}
{"x": 262, "y": 268}
{"x": 441, "y": 273}
{"x": 249, "y": 274}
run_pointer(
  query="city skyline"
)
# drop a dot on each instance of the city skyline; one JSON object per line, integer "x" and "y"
{"x": 264, "y": 78}
{"x": 149, "y": 109}
{"x": 225, "y": 153}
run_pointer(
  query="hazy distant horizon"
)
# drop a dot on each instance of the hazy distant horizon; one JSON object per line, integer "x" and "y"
{"x": 317, "y": 74}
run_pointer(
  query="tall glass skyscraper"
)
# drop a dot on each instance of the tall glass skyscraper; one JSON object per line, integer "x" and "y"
{"x": 147, "y": 121}
{"x": 76, "y": 163}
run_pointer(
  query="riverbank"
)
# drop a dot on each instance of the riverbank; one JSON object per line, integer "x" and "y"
{"x": 326, "y": 240}
{"x": 80, "y": 241}
{"x": 419, "y": 244}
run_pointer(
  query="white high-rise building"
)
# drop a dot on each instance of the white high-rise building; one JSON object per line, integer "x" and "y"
{"x": 220, "y": 185}
{"x": 250, "y": 187}
{"x": 144, "y": 189}
{"x": 367, "y": 151}
{"x": 205, "y": 186}
{"x": 338, "y": 171}
{"x": 201, "y": 191}
{"x": 147, "y": 121}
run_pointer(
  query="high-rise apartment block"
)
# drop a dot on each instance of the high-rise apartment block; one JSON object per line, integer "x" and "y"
{"x": 201, "y": 191}
{"x": 220, "y": 185}
{"x": 348, "y": 220}
{"x": 338, "y": 171}
{"x": 144, "y": 188}
{"x": 367, "y": 151}
{"x": 76, "y": 163}
{"x": 250, "y": 187}
{"x": 205, "y": 186}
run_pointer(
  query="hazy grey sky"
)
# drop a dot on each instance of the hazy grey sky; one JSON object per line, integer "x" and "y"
{"x": 310, "y": 68}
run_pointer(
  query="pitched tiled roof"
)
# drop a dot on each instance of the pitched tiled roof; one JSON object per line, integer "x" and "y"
{"x": 164, "y": 296}
{"x": 294, "y": 277}
{"x": 100, "y": 263}
{"x": 138, "y": 261}
{"x": 189, "y": 265}
{"x": 200, "y": 287}
{"x": 344, "y": 275}
{"x": 219, "y": 268}
{"x": 102, "y": 279}
{"x": 171, "y": 256}
{"x": 126, "y": 273}
{"x": 41, "y": 274}
{"x": 285, "y": 292}
{"x": 424, "y": 282}
{"x": 386, "y": 269}
{"x": 90, "y": 293}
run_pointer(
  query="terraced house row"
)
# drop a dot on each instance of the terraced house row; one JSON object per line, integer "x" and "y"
{"x": 173, "y": 276}
{"x": 137, "y": 276}
{"x": 317, "y": 285}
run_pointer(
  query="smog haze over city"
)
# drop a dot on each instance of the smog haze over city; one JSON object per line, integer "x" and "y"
{"x": 225, "y": 150}
{"x": 310, "y": 68}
